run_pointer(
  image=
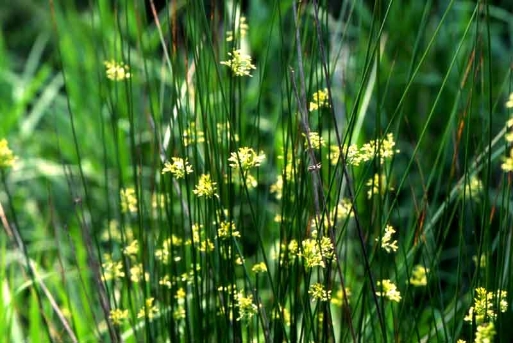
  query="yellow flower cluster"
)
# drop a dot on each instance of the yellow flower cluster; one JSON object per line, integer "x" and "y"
{"x": 112, "y": 270}
{"x": 319, "y": 99}
{"x": 246, "y": 158}
{"x": 149, "y": 310}
{"x": 339, "y": 213}
{"x": 384, "y": 148}
{"x": 227, "y": 230}
{"x": 179, "y": 168}
{"x": 241, "y": 28}
{"x": 128, "y": 200}
{"x": 7, "y": 157}
{"x": 387, "y": 243}
{"x": 116, "y": 71}
{"x": 389, "y": 290}
{"x": 419, "y": 276}
{"x": 474, "y": 187}
{"x": 485, "y": 305}
{"x": 205, "y": 187}
{"x": 314, "y": 252}
{"x": 259, "y": 268}
{"x": 338, "y": 299}
{"x": 247, "y": 309}
{"x": 318, "y": 292}
{"x": 117, "y": 316}
{"x": 240, "y": 63}
{"x": 485, "y": 333}
{"x": 137, "y": 272}
{"x": 192, "y": 135}
{"x": 316, "y": 141}
{"x": 507, "y": 166}
{"x": 378, "y": 185}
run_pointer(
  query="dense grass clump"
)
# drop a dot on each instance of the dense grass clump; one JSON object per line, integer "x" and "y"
{"x": 264, "y": 171}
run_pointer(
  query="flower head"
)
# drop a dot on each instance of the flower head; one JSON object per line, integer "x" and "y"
{"x": 149, "y": 310}
{"x": 227, "y": 230}
{"x": 507, "y": 166}
{"x": 247, "y": 157}
{"x": 117, "y": 71}
{"x": 239, "y": 63}
{"x": 378, "y": 185}
{"x": 318, "y": 292}
{"x": 486, "y": 305}
{"x": 259, "y": 268}
{"x": 116, "y": 316}
{"x": 319, "y": 99}
{"x": 509, "y": 103}
{"x": 485, "y": 333}
{"x": 316, "y": 141}
{"x": 245, "y": 305}
{"x": 418, "y": 276}
{"x": 389, "y": 290}
{"x": 205, "y": 187}
{"x": 242, "y": 27}
{"x": 179, "y": 168}
{"x": 386, "y": 241}
{"x": 128, "y": 200}
{"x": 7, "y": 157}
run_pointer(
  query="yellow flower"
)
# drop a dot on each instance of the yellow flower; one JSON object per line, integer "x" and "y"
{"x": 239, "y": 63}
{"x": 7, "y": 157}
{"x": 227, "y": 230}
{"x": 507, "y": 166}
{"x": 112, "y": 270}
{"x": 418, "y": 276}
{"x": 242, "y": 29}
{"x": 318, "y": 292}
{"x": 180, "y": 293}
{"x": 389, "y": 290}
{"x": 316, "y": 141}
{"x": 116, "y": 316}
{"x": 485, "y": 333}
{"x": 338, "y": 299}
{"x": 509, "y": 103}
{"x": 245, "y": 305}
{"x": 132, "y": 249}
{"x": 192, "y": 135}
{"x": 136, "y": 273}
{"x": 378, "y": 185}
{"x": 128, "y": 200}
{"x": 179, "y": 168}
{"x": 386, "y": 240}
{"x": 259, "y": 268}
{"x": 320, "y": 99}
{"x": 485, "y": 305}
{"x": 149, "y": 310}
{"x": 205, "y": 187}
{"x": 116, "y": 71}
{"x": 247, "y": 157}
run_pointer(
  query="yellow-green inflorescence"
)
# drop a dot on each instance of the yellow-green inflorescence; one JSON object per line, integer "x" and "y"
{"x": 320, "y": 99}
{"x": 319, "y": 292}
{"x": 117, "y": 71}
{"x": 507, "y": 165}
{"x": 205, "y": 187}
{"x": 239, "y": 63}
{"x": 388, "y": 289}
{"x": 179, "y": 168}
{"x": 419, "y": 276}
{"x": 7, "y": 157}
{"x": 486, "y": 307}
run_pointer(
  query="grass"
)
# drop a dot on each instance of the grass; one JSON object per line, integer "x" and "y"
{"x": 308, "y": 173}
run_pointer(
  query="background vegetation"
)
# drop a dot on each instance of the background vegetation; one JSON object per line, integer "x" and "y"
{"x": 104, "y": 241}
